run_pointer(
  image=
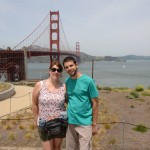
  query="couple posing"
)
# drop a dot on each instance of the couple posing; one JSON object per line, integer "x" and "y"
{"x": 48, "y": 101}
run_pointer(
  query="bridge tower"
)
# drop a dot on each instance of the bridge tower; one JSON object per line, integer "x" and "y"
{"x": 54, "y": 35}
{"x": 77, "y": 49}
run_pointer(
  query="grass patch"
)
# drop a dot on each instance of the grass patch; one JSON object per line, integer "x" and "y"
{"x": 121, "y": 89}
{"x": 145, "y": 94}
{"x": 32, "y": 126}
{"x": 8, "y": 127}
{"x": 21, "y": 127}
{"x": 132, "y": 106}
{"x": 140, "y": 128}
{"x": 112, "y": 141}
{"x": 14, "y": 122}
{"x": 107, "y": 126}
{"x": 104, "y": 88}
{"x": 4, "y": 87}
{"x": 133, "y": 94}
{"x": 3, "y": 122}
{"x": 28, "y": 136}
{"x": 11, "y": 137}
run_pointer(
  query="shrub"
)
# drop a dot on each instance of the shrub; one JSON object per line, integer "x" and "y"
{"x": 28, "y": 136}
{"x": 107, "y": 126}
{"x": 3, "y": 122}
{"x": 129, "y": 96}
{"x": 140, "y": 128}
{"x": 139, "y": 88}
{"x": 112, "y": 141}
{"x": 11, "y": 136}
{"x": 32, "y": 127}
{"x": 8, "y": 127}
{"x": 132, "y": 106}
{"x": 14, "y": 122}
{"x": 134, "y": 94}
{"x": 21, "y": 127}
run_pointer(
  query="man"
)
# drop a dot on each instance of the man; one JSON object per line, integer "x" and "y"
{"x": 82, "y": 107}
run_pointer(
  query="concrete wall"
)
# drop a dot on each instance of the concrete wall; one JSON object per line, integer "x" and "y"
{"x": 8, "y": 93}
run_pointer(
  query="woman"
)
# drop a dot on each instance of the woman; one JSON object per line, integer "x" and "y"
{"x": 48, "y": 100}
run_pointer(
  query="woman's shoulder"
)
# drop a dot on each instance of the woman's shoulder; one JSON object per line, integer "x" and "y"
{"x": 39, "y": 84}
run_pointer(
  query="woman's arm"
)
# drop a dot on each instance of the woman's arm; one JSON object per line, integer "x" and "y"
{"x": 35, "y": 96}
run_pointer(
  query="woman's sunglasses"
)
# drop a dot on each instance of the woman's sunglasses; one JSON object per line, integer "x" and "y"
{"x": 54, "y": 69}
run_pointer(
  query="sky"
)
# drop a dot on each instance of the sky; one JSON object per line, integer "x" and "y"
{"x": 102, "y": 27}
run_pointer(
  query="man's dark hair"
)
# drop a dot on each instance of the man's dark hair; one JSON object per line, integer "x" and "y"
{"x": 69, "y": 58}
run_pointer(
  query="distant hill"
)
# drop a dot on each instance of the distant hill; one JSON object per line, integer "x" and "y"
{"x": 84, "y": 56}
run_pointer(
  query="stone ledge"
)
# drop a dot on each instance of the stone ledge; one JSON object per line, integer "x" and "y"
{"x": 8, "y": 93}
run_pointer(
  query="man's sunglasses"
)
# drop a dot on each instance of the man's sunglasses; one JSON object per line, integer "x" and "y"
{"x": 54, "y": 69}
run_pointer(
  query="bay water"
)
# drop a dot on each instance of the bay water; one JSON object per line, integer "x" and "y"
{"x": 113, "y": 74}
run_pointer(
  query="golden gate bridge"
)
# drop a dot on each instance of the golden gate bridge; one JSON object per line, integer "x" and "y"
{"x": 48, "y": 39}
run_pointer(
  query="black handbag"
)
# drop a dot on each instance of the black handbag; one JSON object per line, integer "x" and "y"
{"x": 65, "y": 122}
{"x": 54, "y": 126}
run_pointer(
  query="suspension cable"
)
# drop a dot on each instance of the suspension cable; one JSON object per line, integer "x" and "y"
{"x": 64, "y": 34}
{"x": 32, "y": 32}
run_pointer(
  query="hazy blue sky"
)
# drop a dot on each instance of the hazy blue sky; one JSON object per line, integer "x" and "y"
{"x": 103, "y": 27}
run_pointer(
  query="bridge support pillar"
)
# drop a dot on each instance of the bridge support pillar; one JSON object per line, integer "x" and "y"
{"x": 54, "y": 35}
{"x": 77, "y": 49}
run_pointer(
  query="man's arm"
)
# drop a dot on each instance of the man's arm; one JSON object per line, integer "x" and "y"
{"x": 95, "y": 109}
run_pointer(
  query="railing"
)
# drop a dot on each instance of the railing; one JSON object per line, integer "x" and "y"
{"x": 123, "y": 138}
{"x": 14, "y": 104}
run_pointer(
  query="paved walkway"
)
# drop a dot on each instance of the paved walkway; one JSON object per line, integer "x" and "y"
{"x": 20, "y": 100}
{"x": 20, "y": 148}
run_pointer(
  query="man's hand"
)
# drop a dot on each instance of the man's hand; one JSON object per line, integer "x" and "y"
{"x": 94, "y": 130}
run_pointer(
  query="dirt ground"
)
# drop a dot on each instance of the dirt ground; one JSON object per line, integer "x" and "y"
{"x": 130, "y": 112}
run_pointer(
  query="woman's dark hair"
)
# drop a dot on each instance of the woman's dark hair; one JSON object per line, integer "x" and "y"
{"x": 69, "y": 58}
{"x": 58, "y": 64}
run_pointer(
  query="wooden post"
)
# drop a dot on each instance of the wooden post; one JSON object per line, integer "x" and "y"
{"x": 92, "y": 68}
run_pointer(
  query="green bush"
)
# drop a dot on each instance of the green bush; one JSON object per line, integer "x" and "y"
{"x": 132, "y": 106}
{"x": 134, "y": 94}
{"x": 140, "y": 128}
{"x": 130, "y": 96}
{"x": 139, "y": 88}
